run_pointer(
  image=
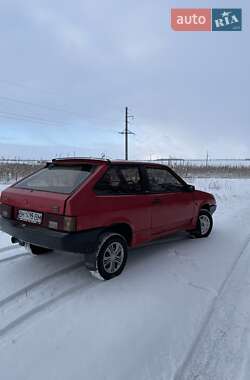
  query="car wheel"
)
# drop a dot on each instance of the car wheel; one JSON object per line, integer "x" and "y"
{"x": 111, "y": 256}
{"x": 36, "y": 251}
{"x": 204, "y": 225}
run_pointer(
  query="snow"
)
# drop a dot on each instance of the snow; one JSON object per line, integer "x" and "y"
{"x": 180, "y": 310}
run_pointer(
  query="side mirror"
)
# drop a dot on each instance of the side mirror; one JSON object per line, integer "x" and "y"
{"x": 190, "y": 188}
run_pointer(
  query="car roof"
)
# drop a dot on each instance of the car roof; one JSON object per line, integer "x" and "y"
{"x": 79, "y": 160}
{"x": 96, "y": 161}
{"x": 128, "y": 162}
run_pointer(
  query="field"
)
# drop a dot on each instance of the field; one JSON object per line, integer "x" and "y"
{"x": 13, "y": 170}
{"x": 180, "y": 310}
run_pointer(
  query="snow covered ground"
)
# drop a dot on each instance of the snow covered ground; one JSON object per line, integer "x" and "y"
{"x": 180, "y": 310}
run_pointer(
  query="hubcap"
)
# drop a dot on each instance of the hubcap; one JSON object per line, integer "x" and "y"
{"x": 204, "y": 223}
{"x": 113, "y": 257}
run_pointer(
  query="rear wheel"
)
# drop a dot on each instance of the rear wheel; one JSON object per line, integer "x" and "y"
{"x": 36, "y": 251}
{"x": 111, "y": 256}
{"x": 204, "y": 225}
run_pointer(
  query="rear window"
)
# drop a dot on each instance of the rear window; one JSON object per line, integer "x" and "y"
{"x": 57, "y": 179}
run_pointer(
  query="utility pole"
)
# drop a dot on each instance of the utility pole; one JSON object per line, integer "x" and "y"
{"x": 207, "y": 160}
{"x": 127, "y": 132}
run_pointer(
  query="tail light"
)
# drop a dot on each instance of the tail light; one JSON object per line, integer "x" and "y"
{"x": 60, "y": 222}
{"x": 6, "y": 211}
{"x": 69, "y": 223}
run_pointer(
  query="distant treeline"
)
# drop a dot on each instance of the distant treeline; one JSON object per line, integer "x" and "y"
{"x": 12, "y": 171}
{"x": 226, "y": 171}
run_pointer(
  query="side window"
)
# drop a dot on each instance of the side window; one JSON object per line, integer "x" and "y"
{"x": 162, "y": 181}
{"x": 131, "y": 180}
{"x": 110, "y": 183}
{"x": 120, "y": 180}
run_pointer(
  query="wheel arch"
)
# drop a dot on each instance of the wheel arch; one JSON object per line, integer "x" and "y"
{"x": 200, "y": 208}
{"x": 123, "y": 229}
{"x": 205, "y": 206}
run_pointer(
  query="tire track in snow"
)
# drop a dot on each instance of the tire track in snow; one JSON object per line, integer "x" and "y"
{"x": 9, "y": 248}
{"x": 14, "y": 257}
{"x": 183, "y": 368}
{"x": 27, "y": 302}
{"x": 29, "y": 288}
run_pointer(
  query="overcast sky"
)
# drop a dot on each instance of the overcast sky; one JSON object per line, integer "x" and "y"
{"x": 69, "y": 68}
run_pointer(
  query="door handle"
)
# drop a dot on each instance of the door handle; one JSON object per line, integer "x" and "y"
{"x": 156, "y": 201}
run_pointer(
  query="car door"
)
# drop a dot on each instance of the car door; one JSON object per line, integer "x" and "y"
{"x": 120, "y": 198}
{"x": 172, "y": 206}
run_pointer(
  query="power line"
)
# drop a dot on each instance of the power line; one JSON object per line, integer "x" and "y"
{"x": 39, "y": 105}
{"x": 30, "y": 116}
{"x": 24, "y": 85}
{"x": 21, "y": 117}
{"x": 51, "y": 108}
{"x": 28, "y": 86}
{"x": 127, "y": 132}
{"x": 62, "y": 108}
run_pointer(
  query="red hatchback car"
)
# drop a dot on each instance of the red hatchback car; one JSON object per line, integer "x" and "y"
{"x": 100, "y": 208}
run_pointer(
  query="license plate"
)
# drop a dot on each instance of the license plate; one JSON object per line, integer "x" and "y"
{"x": 30, "y": 216}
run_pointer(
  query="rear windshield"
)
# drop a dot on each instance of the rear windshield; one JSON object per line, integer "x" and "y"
{"x": 57, "y": 179}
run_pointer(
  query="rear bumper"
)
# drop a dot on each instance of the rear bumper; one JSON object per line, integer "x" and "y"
{"x": 79, "y": 242}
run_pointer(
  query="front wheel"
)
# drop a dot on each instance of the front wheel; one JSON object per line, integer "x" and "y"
{"x": 111, "y": 256}
{"x": 204, "y": 225}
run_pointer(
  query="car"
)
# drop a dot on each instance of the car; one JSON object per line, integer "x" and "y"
{"x": 100, "y": 208}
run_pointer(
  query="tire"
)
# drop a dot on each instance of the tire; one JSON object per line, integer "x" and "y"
{"x": 204, "y": 225}
{"x": 37, "y": 251}
{"x": 111, "y": 256}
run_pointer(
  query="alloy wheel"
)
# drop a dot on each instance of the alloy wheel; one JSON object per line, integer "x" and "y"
{"x": 113, "y": 257}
